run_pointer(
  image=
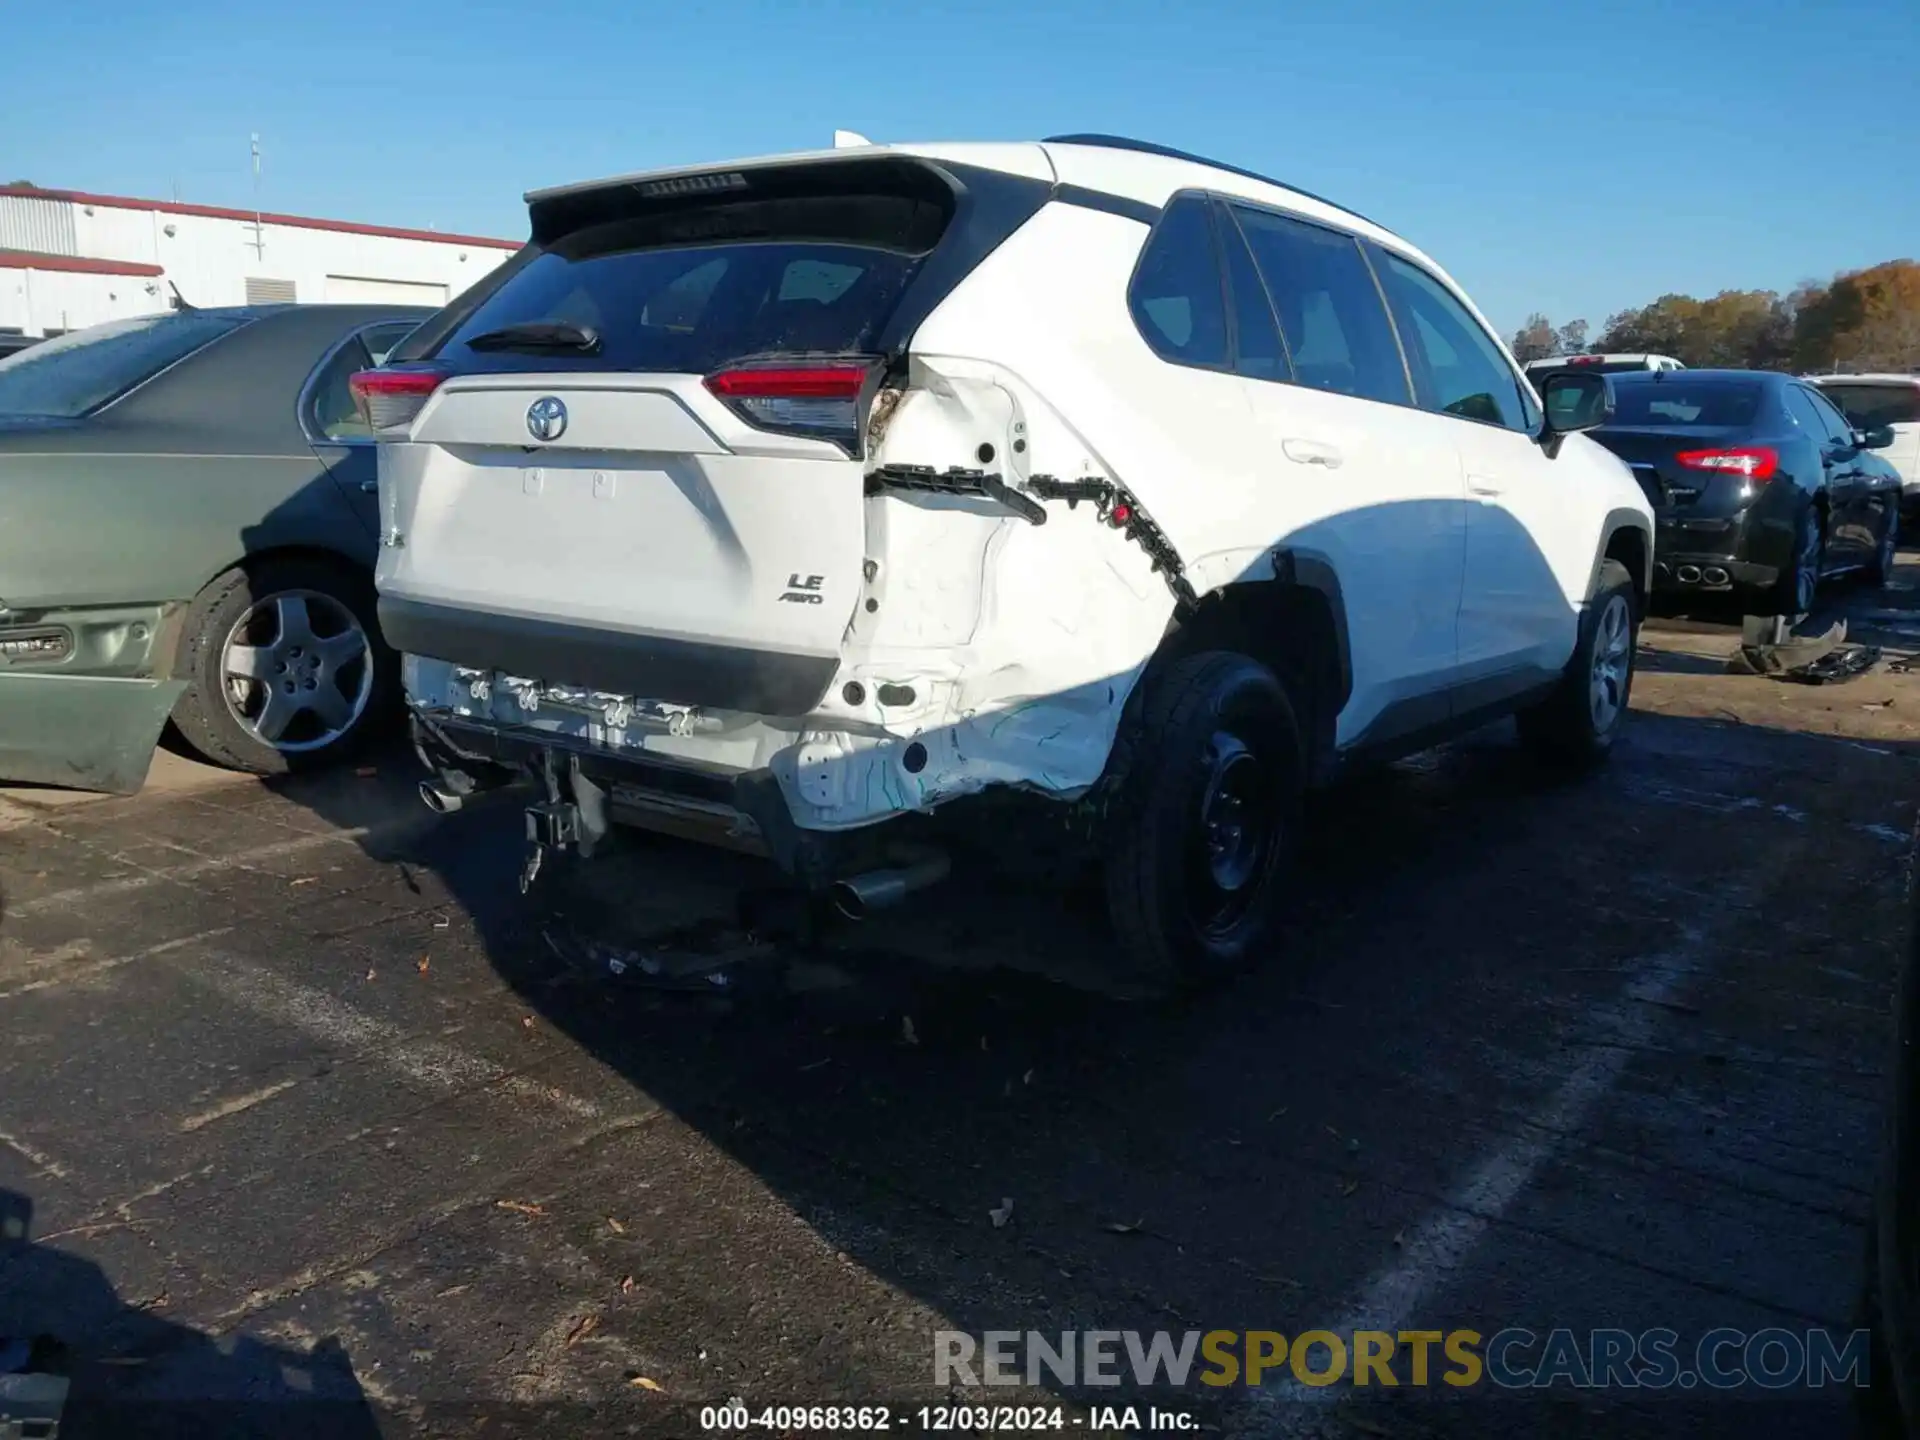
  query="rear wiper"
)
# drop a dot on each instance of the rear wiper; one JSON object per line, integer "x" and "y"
{"x": 540, "y": 335}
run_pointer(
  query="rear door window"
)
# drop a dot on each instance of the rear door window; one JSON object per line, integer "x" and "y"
{"x": 1257, "y": 351}
{"x": 1838, "y": 429}
{"x": 1459, "y": 369}
{"x": 1331, "y": 316}
{"x": 78, "y": 372}
{"x": 1175, "y": 295}
{"x": 1871, "y": 406}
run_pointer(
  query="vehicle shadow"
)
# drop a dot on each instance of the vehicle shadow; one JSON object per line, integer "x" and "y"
{"x": 132, "y": 1373}
{"x": 897, "y": 1083}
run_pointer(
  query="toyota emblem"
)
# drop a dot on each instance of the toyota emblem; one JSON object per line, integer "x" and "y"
{"x": 547, "y": 418}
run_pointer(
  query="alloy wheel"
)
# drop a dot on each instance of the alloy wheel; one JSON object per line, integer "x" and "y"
{"x": 297, "y": 670}
{"x": 1612, "y": 664}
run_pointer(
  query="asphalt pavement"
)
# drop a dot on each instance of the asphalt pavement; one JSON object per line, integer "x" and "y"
{"x": 319, "y": 1121}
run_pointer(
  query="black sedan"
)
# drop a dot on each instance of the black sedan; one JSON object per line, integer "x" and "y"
{"x": 1758, "y": 484}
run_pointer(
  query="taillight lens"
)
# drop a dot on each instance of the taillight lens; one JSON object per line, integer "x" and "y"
{"x": 820, "y": 400}
{"x": 390, "y": 398}
{"x": 1757, "y": 462}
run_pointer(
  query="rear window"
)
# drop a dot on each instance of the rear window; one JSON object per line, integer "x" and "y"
{"x": 1870, "y": 406}
{"x": 1671, "y": 399}
{"x": 1537, "y": 373}
{"x": 692, "y": 290}
{"x": 76, "y": 373}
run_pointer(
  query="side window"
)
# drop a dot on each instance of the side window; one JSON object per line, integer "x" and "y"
{"x": 1175, "y": 295}
{"x": 331, "y": 413}
{"x": 381, "y": 340}
{"x": 1459, "y": 369}
{"x": 1871, "y": 406}
{"x": 1800, "y": 406}
{"x": 1331, "y": 317}
{"x": 1257, "y": 351}
{"x": 1838, "y": 429}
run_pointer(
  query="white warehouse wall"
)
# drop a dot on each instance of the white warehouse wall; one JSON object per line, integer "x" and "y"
{"x": 210, "y": 256}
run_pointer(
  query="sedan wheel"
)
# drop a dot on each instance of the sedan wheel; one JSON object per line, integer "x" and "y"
{"x": 298, "y": 669}
{"x": 284, "y": 665}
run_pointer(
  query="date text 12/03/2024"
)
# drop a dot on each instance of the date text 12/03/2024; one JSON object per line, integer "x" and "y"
{"x": 938, "y": 1419}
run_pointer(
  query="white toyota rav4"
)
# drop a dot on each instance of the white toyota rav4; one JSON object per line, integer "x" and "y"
{"x": 777, "y": 498}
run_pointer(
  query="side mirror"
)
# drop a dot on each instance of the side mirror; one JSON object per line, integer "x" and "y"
{"x": 1879, "y": 437}
{"x": 1573, "y": 401}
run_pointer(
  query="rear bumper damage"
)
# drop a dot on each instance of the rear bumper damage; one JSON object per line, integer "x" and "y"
{"x": 793, "y": 789}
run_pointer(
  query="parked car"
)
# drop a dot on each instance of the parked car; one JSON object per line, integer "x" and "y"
{"x": 12, "y": 344}
{"x": 190, "y": 531}
{"x": 1538, "y": 370}
{"x": 795, "y": 495}
{"x": 1891, "y": 1292}
{"x": 1872, "y": 401}
{"x": 1760, "y": 485}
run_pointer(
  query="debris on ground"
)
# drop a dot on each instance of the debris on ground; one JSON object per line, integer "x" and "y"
{"x": 521, "y": 1207}
{"x": 584, "y": 1327}
{"x": 1001, "y": 1213}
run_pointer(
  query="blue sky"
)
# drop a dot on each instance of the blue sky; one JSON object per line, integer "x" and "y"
{"x": 1570, "y": 158}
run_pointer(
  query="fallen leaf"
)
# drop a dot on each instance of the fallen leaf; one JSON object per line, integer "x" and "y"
{"x": 425, "y": 961}
{"x": 370, "y": 972}
{"x": 584, "y": 1327}
{"x": 1002, "y": 1213}
{"x": 1350, "y": 1187}
{"x": 1121, "y": 1227}
{"x": 644, "y": 1383}
{"x": 615, "y": 1226}
{"x": 521, "y": 1207}
{"x": 527, "y": 1021}
{"x": 906, "y": 1030}
{"x": 303, "y": 880}
{"x": 626, "y": 1284}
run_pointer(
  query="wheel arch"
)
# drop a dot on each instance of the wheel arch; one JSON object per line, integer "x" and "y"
{"x": 1291, "y": 615}
{"x": 1627, "y": 537}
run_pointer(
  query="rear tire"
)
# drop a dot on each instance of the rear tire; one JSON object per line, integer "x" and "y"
{"x": 1205, "y": 819}
{"x": 1798, "y": 587}
{"x": 285, "y": 667}
{"x": 1885, "y": 556}
{"x": 1575, "y": 726}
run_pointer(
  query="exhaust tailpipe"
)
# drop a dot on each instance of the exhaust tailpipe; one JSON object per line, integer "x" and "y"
{"x": 858, "y": 897}
{"x": 1714, "y": 575}
{"x": 439, "y": 801}
{"x": 1688, "y": 574}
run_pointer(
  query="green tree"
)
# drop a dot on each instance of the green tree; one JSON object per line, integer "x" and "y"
{"x": 1572, "y": 338}
{"x": 1535, "y": 340}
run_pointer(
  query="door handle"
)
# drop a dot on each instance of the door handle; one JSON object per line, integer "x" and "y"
{"x": 1313, "y": 452}
{"x": 1485, "y": 486}
{"x": 369, "y": 487}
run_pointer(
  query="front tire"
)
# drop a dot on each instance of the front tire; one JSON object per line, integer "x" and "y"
{"x": 285, "y": 667}
{"x": 1577, "y": 723}
{"x": 1206, "y": 817}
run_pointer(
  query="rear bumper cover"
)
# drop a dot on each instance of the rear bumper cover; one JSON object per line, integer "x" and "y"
{"x": 624, "y": 662}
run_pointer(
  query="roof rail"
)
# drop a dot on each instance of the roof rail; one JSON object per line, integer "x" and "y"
{"x": 1147, "y": 147}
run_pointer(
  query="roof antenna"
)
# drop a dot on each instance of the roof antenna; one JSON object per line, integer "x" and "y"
{"x": 180, "y": 301}
{"x": 848, "y": 139}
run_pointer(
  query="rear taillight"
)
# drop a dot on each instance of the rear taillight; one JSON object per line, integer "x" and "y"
{"x": 1758, "y": 462}
{"x": 820, "y": 400}
{"x": 390, "y": 398}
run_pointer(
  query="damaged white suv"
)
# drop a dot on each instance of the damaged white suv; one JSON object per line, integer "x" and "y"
{"x": 777, "y": 498}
